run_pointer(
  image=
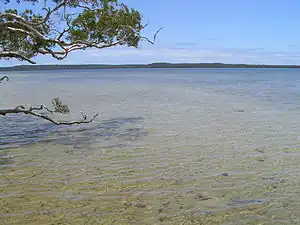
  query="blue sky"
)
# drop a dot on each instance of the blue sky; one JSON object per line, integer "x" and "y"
{"x": 232, "y": 31}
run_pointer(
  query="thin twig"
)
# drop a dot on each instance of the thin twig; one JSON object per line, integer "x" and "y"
{"x": 154, "y": 37}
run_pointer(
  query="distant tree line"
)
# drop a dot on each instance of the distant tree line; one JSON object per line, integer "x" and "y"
{"x": 153, "y": 65}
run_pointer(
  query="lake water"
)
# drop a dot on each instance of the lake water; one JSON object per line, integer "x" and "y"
{"x": 170, "y": 146}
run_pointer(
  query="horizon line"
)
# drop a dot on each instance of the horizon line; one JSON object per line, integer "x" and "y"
{"x": 154, "y": 64}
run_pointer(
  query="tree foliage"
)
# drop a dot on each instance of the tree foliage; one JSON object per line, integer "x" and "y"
{"x": 64, "y": 26}
{"x": 59, "y": 106}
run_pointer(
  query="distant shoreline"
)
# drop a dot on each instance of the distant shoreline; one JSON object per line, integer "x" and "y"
{"x": 133, "y": 66}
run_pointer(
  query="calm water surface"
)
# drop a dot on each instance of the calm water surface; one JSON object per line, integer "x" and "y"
{"x": 171, "y": 146}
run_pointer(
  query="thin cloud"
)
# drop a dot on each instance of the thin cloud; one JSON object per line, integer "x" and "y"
{"x": 197, "y": 54}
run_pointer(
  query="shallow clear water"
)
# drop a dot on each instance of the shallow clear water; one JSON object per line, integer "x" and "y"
{"x": 171, "y": 146}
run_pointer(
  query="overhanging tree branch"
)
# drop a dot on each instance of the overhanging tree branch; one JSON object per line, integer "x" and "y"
{"x": 96, "y": 24}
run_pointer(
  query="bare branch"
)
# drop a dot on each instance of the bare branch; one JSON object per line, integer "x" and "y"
{"x": 30, "y": 111}
{"x": 92, "y": 44}
{"x": 61, "y": 34}
{"x": 55, "y": 54}
{"x": 63, "y": 122}
{"x": 4, "y": 77}
{"x": 41, "y": 108}
{"x": 76, "y": 45}
{"x": 18, "y": 55}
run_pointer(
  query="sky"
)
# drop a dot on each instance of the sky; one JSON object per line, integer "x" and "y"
{"x": 196, "y": 31}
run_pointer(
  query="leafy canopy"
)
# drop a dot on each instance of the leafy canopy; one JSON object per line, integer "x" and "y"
{"x": 63, "y": 26}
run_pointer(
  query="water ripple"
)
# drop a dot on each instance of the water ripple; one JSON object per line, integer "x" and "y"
{"x": 21, "y": 132}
